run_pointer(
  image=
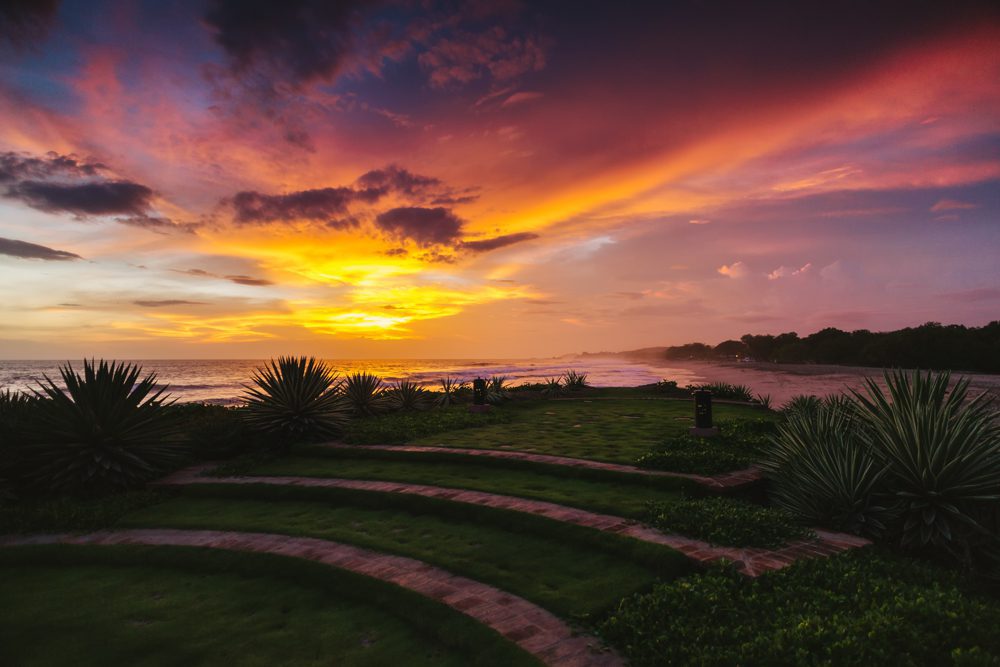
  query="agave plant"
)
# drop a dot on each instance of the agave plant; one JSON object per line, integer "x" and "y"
{"x": 553, "y": 387}
{"x": 764, "y": 400}
{"x": 365, "y": 394}
{"x": 408, "y": 395}
{"x": 497, "y": 389}
{"x": 573, "y": 380}
{"x": 295, "y": 398}
{"x": 15, "y": 413}
{"x": 942, "y": 452}
{"x": 106, "y": 431}
{"x": 820, "y": 470}
{"x": 451, "y": 391}
{"x": 805, "y": 404}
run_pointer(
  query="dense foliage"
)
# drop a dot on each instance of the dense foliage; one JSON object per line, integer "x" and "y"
{"x": 296, "y": 398}
{"x": 930, "y": 345}
{"x": 108, "y": 430}
{"x": 726, "y": 391}
{"x": 726, "y": 521}
{"x": 858, "y": 608}
{"x": 919, "y": 466}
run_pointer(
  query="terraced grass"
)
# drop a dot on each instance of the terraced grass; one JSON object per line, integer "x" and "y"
{"x": 614, "y": 430}
{"x": 611, "y": 497}
{"x": 151, "y": 616}
{"x": 563, "y": 577}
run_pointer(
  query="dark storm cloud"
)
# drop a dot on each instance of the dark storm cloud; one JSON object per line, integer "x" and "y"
{"x": 161, "y": 303}
{"x": 485, "y": 245}
{"x": 324, "y": 204}
{"x": 397, "y": 179}
{"x": 83, "y": 199}
{"x": 302, "y": 39}
{"x": 24, "y": 22}
{"x": 23, "y": 166}
{"x": 426, "y": 226}
{"x": 26, "y": 250}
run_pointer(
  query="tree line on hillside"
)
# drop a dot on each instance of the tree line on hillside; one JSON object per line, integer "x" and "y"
{"x": 930, "y": 346}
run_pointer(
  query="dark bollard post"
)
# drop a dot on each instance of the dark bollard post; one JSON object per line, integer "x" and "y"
{"x": 703, "y": 414}
{"x": 479, "y": 391}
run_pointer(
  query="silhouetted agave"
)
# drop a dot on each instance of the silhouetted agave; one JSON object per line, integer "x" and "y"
{"x": 553, "y": 387}
{"x": 574, "y": 380}
{"x": 106, "y": 431}
{"x": 497, "y": 389}
{"x": 296, "y": 398}
{"x": 365, "y": 394}
{"x": 451, "y": 391}
{"x": 408, "y": 395}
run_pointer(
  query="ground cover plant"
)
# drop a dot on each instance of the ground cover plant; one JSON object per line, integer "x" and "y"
{"x": 131, "y": 605}
{"x": 725, "y": 391}
{"x": 736, "y": 447}
{"x": 610, "y": 496}
{"x": 614, "y": 430}
{"x": 727, "y": 521}
{"x": 571, "y": 581}
{"x": 859, "y": 608}
{"x": 401, "y": 427}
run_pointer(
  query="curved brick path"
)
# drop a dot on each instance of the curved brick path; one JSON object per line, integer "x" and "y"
{"x": 727, "y": 480}
{"x": 749, "y": 561}
{"x": 532, "y": 628}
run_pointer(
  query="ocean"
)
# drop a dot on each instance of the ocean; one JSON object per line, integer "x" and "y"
{"x": 221, "y": 381}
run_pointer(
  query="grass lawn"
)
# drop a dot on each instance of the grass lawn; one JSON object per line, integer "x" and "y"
{"x": 565, "y": 578}
{"x": 616, "y": 430}
{"x": 142, "y": 615}
{"x": 612, "y": 497}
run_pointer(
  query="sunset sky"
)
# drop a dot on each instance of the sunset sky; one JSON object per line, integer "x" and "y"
{"x": 237, "y": 178}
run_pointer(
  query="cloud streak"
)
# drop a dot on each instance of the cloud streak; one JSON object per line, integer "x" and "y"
{"x": 25, "y": 250}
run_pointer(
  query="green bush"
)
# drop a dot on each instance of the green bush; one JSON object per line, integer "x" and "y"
{"x": 861, "y": 608}
{"x": 724, "y": 390}
{"x": 819, "y": 469}
{"x": 16, "y": 412}
{"x": 294, "y": 399}
{"x": 726, "y": 521}
{"x": 73, "y": 514}
{"x": 106, "y": 431}
{"x": 402, "y": 427}
{"x": 734, "y": 448}
{"x": 217, "y": 432}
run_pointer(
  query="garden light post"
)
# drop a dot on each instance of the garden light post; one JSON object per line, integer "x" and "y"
{"x": 703, "y": 414}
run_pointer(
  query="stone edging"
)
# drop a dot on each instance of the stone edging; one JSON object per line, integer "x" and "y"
{"x": 532, "y": 628}
{"x": 722, "y": 481}
{"x": 749, "y": 561}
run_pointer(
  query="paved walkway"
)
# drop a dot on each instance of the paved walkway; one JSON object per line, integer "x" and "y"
{"x": 723, "y": 481}
{"x": 749, "y": 561}
{"x": 532, "y": 628}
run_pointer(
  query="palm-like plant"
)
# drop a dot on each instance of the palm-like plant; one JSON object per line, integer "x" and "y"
{"x": 942, "y": 451}
{"x": 553, "y": 387}
{"x": 295, "y": 398}
{"x": 497, "y": 389}
{"x": 820, "y": 470}
{"x": 805, "y": 404}
{"x": 573, "y": 380}
{"x": 15, "y": 412}
{"x": 451, "y": 391}
{"x": 408, "y": 395}
{"x": 106, "y": 431}
{"x": 365, "y": 393}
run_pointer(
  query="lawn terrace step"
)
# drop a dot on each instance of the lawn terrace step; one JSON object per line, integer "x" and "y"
{"x": 722, "y": 481}
{"x": 532, "y": 628}
{"x": 749, "y": 561}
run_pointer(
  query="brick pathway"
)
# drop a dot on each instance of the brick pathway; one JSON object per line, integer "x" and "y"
{"x": 532, "y": 628}
{"x": 749, "y": 561}
{"x": 723, "y": 481}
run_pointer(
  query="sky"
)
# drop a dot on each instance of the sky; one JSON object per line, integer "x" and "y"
{"x": 241, "y": 178}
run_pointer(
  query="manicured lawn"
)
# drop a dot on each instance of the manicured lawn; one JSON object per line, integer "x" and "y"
{"x": 616, "y": 430}
{"x": 141, "y": 615}
{"x": 565, "y": 578}
{"x": 620, "y": 498}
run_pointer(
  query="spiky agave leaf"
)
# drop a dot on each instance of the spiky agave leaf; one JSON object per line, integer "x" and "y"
{"x": 408, "y": 395}
{"x": 365, "y": 394}
{"x": 497, "y": 389}
{"x": 553, "y": 387}
{"x": 573, "y": 380}
{"x": 820, "y": 470}
{"x": 451, "y": 391}
{"x": 803, "y": 403}
{"x": 106, "y": 431}
{"x": 15, "y": 413}
{"x": 296, "y": 398}
{"x": 942, "y": 451}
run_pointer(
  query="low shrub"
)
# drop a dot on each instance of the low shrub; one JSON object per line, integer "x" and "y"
{"x": 859, "y": 608}
{"x": 73, "y": 514}
{"x": 726, "y": 521}
{"x": 215, "y": 432}
{"x": 735, "y": 447}
{"x": 399, "y": 428}
{"x": 726, "y": 391}
{"x": 575, "y": 381}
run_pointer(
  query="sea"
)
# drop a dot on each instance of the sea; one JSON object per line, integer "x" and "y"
{"x": 221, "y": 381}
